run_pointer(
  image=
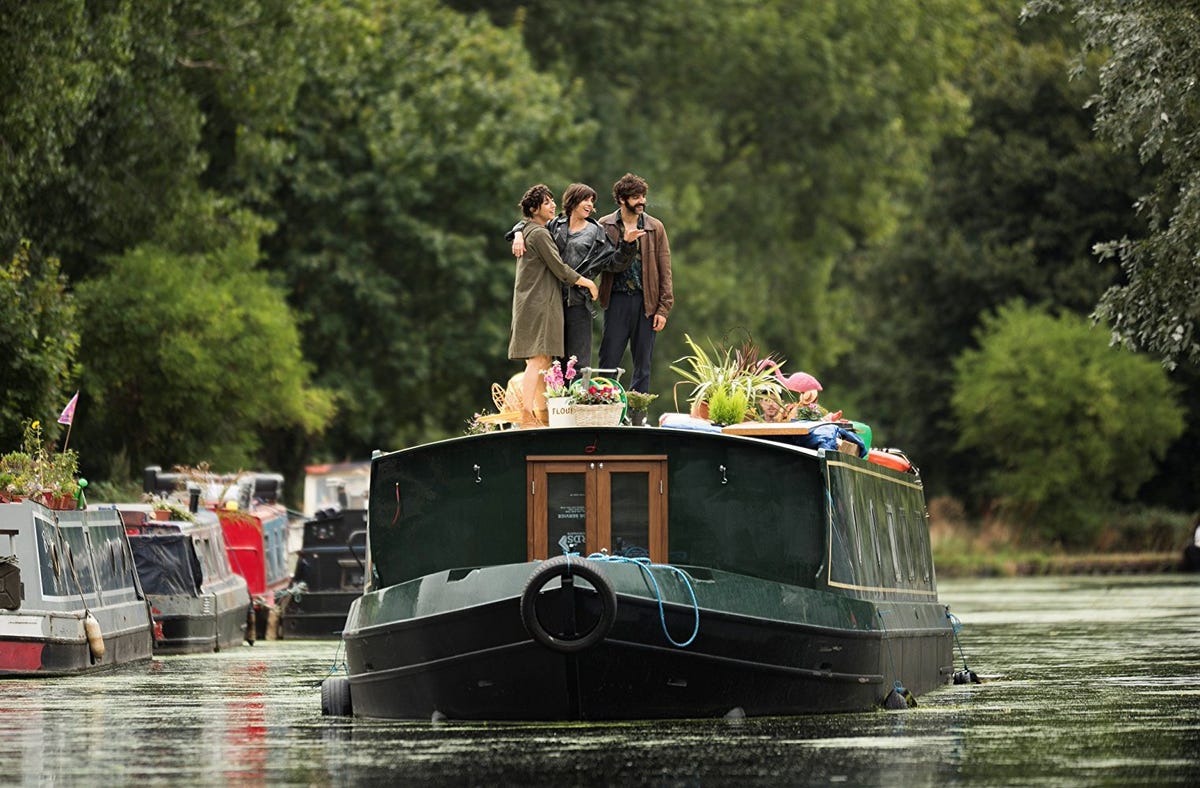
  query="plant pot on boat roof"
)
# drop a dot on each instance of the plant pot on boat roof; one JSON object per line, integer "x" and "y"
{"x": 40, "y": 474}
{"x": 727, "y": 374}
{"x": 59, "y": 485}
{"x": 639, "y": 404}
{"x": 16, "y": 469}
{"x": 165, "y": 509}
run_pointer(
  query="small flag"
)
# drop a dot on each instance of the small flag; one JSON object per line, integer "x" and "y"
{"x": 68, "y": 414}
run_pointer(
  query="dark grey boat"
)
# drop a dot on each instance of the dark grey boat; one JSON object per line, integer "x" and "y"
{"x": 199, "y": 604}
{"x": 330, "y": 567}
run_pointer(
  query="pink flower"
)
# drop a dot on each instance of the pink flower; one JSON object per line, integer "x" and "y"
{"x": 558, "y": 384}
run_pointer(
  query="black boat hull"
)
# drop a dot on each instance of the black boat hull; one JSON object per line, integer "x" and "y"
{"x": 197, "y": 634}
{"x": 618, "y": 573}
{"x": 481, "y": 664}
{"x": 317, "y": 615}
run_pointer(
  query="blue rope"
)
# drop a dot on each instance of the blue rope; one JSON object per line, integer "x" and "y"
{"x": 337, "y": 664}
{"x": 645, "y": 565}
{"x": 956, "y": 627}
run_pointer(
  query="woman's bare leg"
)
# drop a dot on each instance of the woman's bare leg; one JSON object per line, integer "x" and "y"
{"x": 533, "y": 389}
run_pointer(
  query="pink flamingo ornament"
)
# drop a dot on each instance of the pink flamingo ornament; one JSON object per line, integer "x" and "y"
{"x": 799, "y": 382}
{"x": 802, "y": 383}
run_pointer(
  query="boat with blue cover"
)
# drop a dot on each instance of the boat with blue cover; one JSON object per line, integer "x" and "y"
{"x": 614, "y": 573}
{"x": 255, "y": 526}
{"x": 199, "y": 604}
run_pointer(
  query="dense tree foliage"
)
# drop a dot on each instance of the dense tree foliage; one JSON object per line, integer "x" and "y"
{"x": 416, "y": 132}
{"x": 1013, "y": 209}
{"x": 1069, "y": 423}
{"x": 1147, "y": 99}
{"x": 38, "y": 340}
{"x": 192, "y": 355}
{"x": 284, "y": 219}
{"x": 118, "y": 126}
{"x": 774, "y": 135}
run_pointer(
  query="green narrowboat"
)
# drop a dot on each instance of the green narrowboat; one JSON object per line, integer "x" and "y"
{"x": 613, "y": 573}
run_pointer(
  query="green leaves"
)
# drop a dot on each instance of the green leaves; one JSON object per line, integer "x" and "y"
{"x": 39, "y": 340}
{"x": 416, "y": 131}
{"x": 1069, "y": 424}
{"x": 1147, "y": 100}
{"x": 194, "y": 354}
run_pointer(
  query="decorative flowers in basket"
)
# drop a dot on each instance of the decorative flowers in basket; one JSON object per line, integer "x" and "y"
{"x": 558, "y": 381}
{"x": 596, "y": 392}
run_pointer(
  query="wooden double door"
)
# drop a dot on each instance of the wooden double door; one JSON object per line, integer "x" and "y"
{"x": 589, "y": 505}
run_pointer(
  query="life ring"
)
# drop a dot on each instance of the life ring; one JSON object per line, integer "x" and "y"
{"x": 568, "y": 569}
{"x": 890, "y": 458}
{"x": 335, "y": 697}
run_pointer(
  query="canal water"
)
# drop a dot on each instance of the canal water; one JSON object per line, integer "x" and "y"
{"x": 1088, "y": 681}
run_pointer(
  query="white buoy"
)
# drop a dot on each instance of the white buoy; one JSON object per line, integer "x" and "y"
{"x": 95, "y": 638}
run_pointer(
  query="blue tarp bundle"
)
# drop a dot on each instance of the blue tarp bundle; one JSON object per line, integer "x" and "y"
{"x": 826, "y": 436}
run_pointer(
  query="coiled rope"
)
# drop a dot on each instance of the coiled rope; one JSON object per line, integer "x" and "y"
{"x": 645, "y": 565}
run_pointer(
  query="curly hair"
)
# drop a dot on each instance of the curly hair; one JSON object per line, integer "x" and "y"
{"x": 575, "y": 194}
{"x": 628, "y": 186}
{"x": 533, "y": 199}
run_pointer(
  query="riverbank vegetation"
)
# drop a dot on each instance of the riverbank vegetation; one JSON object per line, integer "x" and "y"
{"x": 264, "y": 234}
{"x": 1128, "y": 540}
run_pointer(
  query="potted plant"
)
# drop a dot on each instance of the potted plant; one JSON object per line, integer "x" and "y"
{"x": 37, "y": 473}
{"x": 728, "y": 406}
{"x": 639, "y": 403}
{"x": 723, "y": 372}
{"x": 165, "y": 509}
{"x": 16, "y": 475}
{"x": 597, "y": 402}
{"x": 558, "y": 392}
{"x": 60, "y": 487}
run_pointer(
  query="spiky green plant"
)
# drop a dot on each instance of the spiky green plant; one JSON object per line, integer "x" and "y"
{"x": 726, "y": 369}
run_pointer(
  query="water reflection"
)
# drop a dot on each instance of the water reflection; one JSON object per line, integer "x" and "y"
{"x": 1092, "y": 680}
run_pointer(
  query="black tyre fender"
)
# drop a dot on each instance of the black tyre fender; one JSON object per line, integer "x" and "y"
{"x": 562, "y": 566}
{"x": 335, "y": 697}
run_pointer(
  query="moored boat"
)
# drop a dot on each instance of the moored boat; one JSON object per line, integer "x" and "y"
{"x": 255, "y": 526}
{"x": 330, "y": 567}
{"x": 198, "y": 603}
{"x": 69, "y": 595}
{"x": 329, "y": 562}
{"x": 595, "y": 573}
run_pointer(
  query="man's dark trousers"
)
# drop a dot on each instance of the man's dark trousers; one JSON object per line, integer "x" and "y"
{"x": 625, "y": 322}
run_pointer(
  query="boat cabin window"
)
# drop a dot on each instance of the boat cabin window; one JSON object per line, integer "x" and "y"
{"x": 586, "y": 505}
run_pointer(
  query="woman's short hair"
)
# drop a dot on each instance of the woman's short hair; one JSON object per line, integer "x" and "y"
{"x": 534, "y": 197}
{"x": 628, "y": 186}
{"x": 575, "y": 194}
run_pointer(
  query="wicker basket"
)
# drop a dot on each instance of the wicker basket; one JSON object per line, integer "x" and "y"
{"x": 597, "y": 415}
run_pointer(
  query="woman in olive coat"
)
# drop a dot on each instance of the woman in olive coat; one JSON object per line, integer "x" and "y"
{"x": 537, "y": 321}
